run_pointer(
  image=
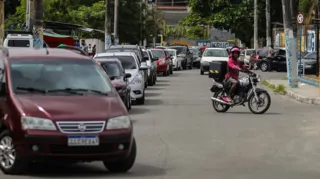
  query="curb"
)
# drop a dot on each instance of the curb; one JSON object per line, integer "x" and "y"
{"x": 296, "y": 96}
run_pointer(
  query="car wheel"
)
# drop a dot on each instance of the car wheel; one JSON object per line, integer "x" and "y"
{"x": 264, "y": 66}
{"x": 140, "y": 101}
{"x": 128, "y": 102}
{"x": 155, "y": 79}
{"x": 201, "y": 72}
{"x": 171, "y": 70}
{"x": 123, "y": 165}
{"x": 150, "y": 81}
{"x": 190, "y": 67}
{"x": 10, "y": 162}
{"x": 184, "y": 66}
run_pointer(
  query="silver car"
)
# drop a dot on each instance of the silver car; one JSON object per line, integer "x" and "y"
{"x": 152, "y": 67}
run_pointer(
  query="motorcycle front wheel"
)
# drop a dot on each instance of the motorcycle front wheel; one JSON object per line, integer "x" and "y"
{"x": 218, "y": 106}
{"x": 264, "y": 99}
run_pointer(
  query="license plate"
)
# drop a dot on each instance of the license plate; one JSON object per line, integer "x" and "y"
{"x": 83, "y": 140}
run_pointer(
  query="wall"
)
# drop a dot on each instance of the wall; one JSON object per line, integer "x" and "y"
{"x": 99, "y": 44}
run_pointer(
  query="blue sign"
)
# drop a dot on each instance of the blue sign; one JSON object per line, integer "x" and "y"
{"x": 204, "y": 42}
{"x": 311, "y": 47}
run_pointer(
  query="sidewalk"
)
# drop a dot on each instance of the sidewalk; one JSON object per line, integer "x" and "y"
{"x": 304, "y": 94}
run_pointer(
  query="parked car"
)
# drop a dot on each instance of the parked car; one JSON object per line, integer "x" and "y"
{"x": 131, "y": 48}
{"x": 212, "y": 54}
{"x": 196, "y": 56}
{"x": 118, "y": 77}
{"x": 163, "y": 62}
{"x": 152, "y": 67}
{"x": 246, "y": 56}
{"x": 60, "y": 106}
{"x": 184, "y": 52}
{"x": 171, "y": 61}
{"x": 176, "y": 61}
{"x": 309, "y": 63}
{"x": 277, "y": 62}
{"x": 74, "y": 49}
{"x": 129, "y": 61}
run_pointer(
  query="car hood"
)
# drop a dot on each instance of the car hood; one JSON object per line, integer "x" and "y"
{"x": 209, "y": 59}
{"x": 72, "y": 107}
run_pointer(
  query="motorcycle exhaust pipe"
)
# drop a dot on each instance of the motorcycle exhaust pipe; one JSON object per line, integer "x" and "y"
{"x": 219, "y": 100}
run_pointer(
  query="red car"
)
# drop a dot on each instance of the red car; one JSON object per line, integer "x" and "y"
{"x": 57, "y": 105}
{"x": 163, "y": 62}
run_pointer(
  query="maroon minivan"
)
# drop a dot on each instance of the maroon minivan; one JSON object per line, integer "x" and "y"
{"x": 59, "y": 105}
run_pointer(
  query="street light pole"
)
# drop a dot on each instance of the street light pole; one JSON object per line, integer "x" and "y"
{"x": 268, "y": 22}
{"x": 255, "y": 26}
{"x": 107, "y": 27}
{"x": 115, "y": 29}
{"x": 1, "y": 22}
{"x": 39, "y": 11}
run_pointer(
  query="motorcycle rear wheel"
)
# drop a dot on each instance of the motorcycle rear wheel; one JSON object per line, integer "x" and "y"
{"x": 216, "y": 104}
{"x": 267, "y": 106}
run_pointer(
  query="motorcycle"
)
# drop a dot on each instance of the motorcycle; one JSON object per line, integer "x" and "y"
{"x": 247, "y": 91}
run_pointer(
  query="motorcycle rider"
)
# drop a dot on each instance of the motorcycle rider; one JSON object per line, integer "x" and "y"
{"x": 234, "y": 66}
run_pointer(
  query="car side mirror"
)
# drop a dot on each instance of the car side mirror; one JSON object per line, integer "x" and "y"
{"x": 143, "y": 66}
{"x": 145, "y": 59}
{"x": 127, "y": 75}
{"x": 155, "y": 59}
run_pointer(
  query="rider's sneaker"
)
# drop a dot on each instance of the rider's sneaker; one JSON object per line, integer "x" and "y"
{"x": 227, "y": 99}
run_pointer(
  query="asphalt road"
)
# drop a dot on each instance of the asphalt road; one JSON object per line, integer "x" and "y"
{"x": 179, "y": 135}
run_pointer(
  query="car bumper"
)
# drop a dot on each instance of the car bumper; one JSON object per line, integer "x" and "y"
{"x": 205, "y": 67}
{"x": 162, "y": 68}
{"x": 55, "y": 147}
{"x": 136, "y": 91}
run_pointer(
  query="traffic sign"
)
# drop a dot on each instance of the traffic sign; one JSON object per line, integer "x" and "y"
{"x": 300, "y": 18}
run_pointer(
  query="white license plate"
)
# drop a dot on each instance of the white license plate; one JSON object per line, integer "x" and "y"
{"x": 83, "y": 140}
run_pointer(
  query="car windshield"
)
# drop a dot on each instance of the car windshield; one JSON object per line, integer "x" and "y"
{"x": 311, "y": 56}
{"x": 128, "y": 62}
{"x": 145, "y": 54}
{"x": 215, "y": 53}
{"x": 158, "y": 53}
{"x": 111, "y": 68}
{"x": 180, "y": 50}
{"x": 195, "y": 52}
{"x": 172, "y": 52}
{"x": 51, "y": 75}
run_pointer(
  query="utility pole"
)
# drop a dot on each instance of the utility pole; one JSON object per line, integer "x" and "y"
{"x": 107, "y": 28}
{"x": 154, "y": 25}
{"x": 115, "y": 28}
{"x": 255, "y": 27}
{"x": 268, "y": 25}
{"x": 1, "y": 22}
{"x": 30, "y": 15}
{"x": 291, "y": 43}
{"x": 38, "y": 31}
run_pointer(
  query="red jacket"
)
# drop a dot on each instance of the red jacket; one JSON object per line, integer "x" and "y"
{"x": 234, "y": 66}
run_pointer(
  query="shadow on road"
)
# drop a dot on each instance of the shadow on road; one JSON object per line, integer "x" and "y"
{"x": 248, "y": 112}
{"x": 162, "y": 80}
{"x": 162, "y": 84}
{"x": 136, "y": 110}
{"x": 155, "y": 88}
{"x": 89, "y": 170}
{"x": 151, "y": 102}
{"x": 152, "y": 94}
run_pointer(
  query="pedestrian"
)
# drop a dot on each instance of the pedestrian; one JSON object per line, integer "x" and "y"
{"x": 90, "y": 50}
{"x": 269, "y": 57}
{"x": 84, "y": 46}
{"x": 94, "y": 50}
{"x": 203, "y": 48}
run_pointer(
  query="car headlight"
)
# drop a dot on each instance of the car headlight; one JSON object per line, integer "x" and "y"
{"x": 36, "y": 123}
{"x": 162, "y": 62}
{"x": 204, "y": 62}
{"x": 120, "y": 122}
{"x": 137, "y": 80}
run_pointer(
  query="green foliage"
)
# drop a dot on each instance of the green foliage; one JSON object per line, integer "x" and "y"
{"x": 281, "y": 89}
{"x": 304, "y": 6}
{"x": 231, "y": 15}
{"x": 133, "y": 25}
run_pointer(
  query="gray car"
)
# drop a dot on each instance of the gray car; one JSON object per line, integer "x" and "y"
{"x": 196, "y": 57}
{"x": 152, "y": 67}
{"x": 309, "y": 62}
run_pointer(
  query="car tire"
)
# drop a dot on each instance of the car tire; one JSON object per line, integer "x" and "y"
{"x": 140, "y": 101}
{"x": 264, "y": 66}
{"x": 171, "y": 71}
{"x": 123, "y": 165}
{"x": 155, "y": 79}
{"x": 128, "y": 102}
{"x": 190, "y": 67}
{"x": 201, "y": 72}
{"x": 150, "y": 81}
{"x": 185, "y": 66}
{"x": 19, "y": 165}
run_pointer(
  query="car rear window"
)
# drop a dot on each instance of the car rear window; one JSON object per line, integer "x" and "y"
{"x": 215, "y": 53}
{"x": 127, "y": 62}
{"x": 58, "y": 74}
{"x": 18, "y": 43}
{"x": 158, "y": 53}
{"x": 111, "y": 68}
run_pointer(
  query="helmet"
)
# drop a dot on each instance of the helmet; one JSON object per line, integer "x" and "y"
{"x": 235, "y": 50}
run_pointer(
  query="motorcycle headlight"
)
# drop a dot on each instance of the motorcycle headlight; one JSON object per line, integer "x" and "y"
{"x": 120, "y": 122}
{"x": 36, "y": 123}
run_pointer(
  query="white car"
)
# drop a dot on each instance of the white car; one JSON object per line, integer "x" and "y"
{"x": 130, "y": 63}
{"x": 176, "y": 61}
{"x": 212, "y": 54}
